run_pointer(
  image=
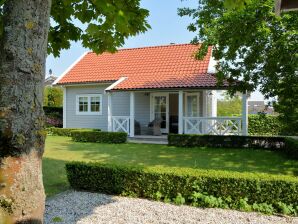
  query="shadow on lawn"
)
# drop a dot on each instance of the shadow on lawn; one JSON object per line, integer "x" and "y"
{"x": 241, "y": 160}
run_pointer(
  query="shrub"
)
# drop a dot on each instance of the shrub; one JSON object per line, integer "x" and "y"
{"x": 226, "y": 141}
{"x": 291, "y": 147}
{"x": 67, "y": 131}
{"x": 100, "y": 137}
{"x": 53, "y": 122}
{"x": 207, "y": 188}
{"x": 264, "y": 125}
{"x": 53, "y": 110}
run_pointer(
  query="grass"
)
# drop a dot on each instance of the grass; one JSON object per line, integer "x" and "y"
{"x": 59, "y": 150}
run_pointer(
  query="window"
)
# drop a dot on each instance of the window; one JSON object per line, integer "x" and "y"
{"x": 89, "y": 104}
{"x": 192, "y": 105}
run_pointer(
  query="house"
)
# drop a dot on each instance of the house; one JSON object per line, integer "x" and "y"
{"x": 50, "y": 79}
{"x": 127, "y": 90}
{"x": 256, "y": 107}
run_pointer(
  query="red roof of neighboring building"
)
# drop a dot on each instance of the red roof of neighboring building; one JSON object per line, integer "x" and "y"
{"x": 171, "y": 66}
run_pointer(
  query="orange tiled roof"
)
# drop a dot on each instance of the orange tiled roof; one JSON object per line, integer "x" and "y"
{"x": 171, "y": 66}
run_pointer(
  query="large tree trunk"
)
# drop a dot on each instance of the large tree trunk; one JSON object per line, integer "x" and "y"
{"x": 22, "y": 69}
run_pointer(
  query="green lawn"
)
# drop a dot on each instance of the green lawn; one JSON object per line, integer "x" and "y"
{"x": 59, "y": 150}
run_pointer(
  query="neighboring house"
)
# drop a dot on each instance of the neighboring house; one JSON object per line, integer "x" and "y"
{"x": 256, "y": 107}
{"x": 50, "y": 79}
{"x": 110, "y": 91}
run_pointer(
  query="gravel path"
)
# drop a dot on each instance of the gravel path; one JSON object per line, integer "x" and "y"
{"x": 92, "y": 208}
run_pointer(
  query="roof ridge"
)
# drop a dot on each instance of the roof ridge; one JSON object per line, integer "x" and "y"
{"x": 157, "y": 46}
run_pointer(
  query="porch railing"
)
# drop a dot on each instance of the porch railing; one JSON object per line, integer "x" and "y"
{"x": 120, "y": 124}
{"x": 212, "y": 125}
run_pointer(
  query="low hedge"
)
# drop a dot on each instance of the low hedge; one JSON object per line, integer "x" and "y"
{"x": 226, "y": 141}
{"x": 100, "y": 137}
{"x": 67, "y": 131}
{"x": 186, "y": 185}
{"x": 51, "y": 110}
{"x": 291, "y": 147}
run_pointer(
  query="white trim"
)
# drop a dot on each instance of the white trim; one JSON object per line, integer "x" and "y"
{"x": 244, "y": 114}
{"x": 110, "y": 112}
{"x": 214, "y": 103}
{"x": 64, "y": 106}
{"x": 115, "y": 84}
{"x": 70, "y": 67}
{"x": 132, "y": 114}
{"x": 180, "y": 112}
{"x": 89, "y": 104}
{"x": 212, "y": 63}
{"x": 87, "y": 84}
{"x": 152, "y": 95}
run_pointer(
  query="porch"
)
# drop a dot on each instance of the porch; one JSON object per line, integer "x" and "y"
{"x": 180, "y": 111}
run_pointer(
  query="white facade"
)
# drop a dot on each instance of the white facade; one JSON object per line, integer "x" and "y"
{"x": 189, "y": 111}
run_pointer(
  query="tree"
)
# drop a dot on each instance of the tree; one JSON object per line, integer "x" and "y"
{"x": 53, "y": 96}
{"x": 253, "y": 44}
{"x": 25, "y": 38}
{"x": 229, "y": 106}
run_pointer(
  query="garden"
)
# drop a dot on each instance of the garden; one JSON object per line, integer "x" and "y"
{"x": 231, "y": 176}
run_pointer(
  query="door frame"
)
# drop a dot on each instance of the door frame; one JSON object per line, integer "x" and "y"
{"x": 152, "y": 95}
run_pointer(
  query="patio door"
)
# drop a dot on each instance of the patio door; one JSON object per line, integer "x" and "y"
{"x": 160, "y": 110}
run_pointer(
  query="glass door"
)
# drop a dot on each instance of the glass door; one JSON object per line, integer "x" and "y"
{"x": 160, "y": 110}
{"x": 192, "y": 105}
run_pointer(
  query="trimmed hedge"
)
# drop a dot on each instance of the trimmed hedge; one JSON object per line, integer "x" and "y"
{"x": 291, "y": 148}
{"x": 100, "y": 137}
{"x": 174, "y": 184}
{"x": 226, "y": 141}
{"x": 67, "y": 131}
{"x": 51, "y": 110}
{"x": 264, "y": 125}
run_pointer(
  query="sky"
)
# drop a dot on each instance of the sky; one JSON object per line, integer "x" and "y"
{"x": 166, "y": 27}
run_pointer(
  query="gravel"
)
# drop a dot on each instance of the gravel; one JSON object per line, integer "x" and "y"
{"x": 92, "y": 208}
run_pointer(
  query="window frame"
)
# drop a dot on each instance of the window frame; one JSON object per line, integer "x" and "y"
{"x": 89, "y": 112}
{"x": 198, "y": 95}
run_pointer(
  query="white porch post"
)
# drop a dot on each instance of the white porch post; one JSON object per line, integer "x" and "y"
{"x": 110, "y": 112}
{"x": 64, "y": 107}
{"x": 180, "y": 115}
{"x": 205, "y": 110}
{"x": 244, "y": 114}
{"x": 214, "y": 104}
{"x": 132, "y": 115}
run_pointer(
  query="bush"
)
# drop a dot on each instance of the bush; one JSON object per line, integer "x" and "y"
{"x": 264, "y": 125}
{"x": 206, "y": 188}
{"x": 291, "y": 147}
{"x": 53, "y": 110}
{"x": 226, "y": 141}
{"x": 67, "y": 131}
{"x": 100, "y": 137}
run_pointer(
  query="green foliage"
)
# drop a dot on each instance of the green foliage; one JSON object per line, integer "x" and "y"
{"x": 107, "y": 23}
{"x": 264, "y": 125}
{"x": 57, "y": 219}
{"x": 99, "y": 137}
{"x": 206, "y": 188}
{"x": 254, "y": 45}
{"x": 53, "y": 96}
{"x": 53, "y": 110}
{"x": 67, "y": 131}
{"x": 229, "y": 106}
{"x": 291, "y": 147}
{"x": 179, "y": 199}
